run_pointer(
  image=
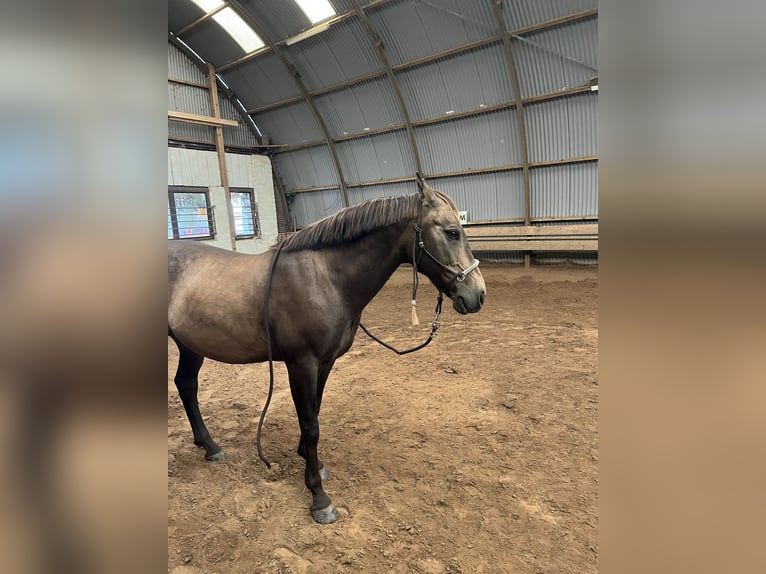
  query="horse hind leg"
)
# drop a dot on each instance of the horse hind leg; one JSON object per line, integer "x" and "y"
{"x": 189, "y": 364}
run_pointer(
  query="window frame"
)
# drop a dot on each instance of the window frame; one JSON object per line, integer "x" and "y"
{"x": 253, "y": 213}
{"x": 172, "y": 210}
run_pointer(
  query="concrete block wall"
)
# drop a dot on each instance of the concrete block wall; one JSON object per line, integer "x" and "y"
{"x": 199, "y": 168}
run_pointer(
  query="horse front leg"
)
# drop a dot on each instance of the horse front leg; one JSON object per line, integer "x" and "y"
{"x": 303, "y": 386}
{"x": 322, "y": 373}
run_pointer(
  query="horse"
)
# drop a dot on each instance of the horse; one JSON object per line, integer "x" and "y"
{"x": 312, "y": 297}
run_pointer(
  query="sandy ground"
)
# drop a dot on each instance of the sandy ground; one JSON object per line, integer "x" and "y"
{"x": 477, "y": 454}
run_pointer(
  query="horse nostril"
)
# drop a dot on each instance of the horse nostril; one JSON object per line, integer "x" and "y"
{"x": 481, "y": 298}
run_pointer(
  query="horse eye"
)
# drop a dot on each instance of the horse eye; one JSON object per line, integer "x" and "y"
{"x": 453, "y": 233}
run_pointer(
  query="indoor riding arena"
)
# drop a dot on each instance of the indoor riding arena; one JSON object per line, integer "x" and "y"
{"x": 362, "y": 157}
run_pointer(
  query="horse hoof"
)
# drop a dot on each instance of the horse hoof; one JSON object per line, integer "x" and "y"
{"x": 324, "y": 474}
{"x": 217, "y": 457}
{"x": 325, "y": 515}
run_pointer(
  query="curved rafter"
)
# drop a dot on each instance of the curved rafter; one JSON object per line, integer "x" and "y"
{"x": 378, "y": 44}
{"x": 295, "y": 74}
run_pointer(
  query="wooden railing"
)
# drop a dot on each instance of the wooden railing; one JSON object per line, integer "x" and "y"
{"x": 575, "y": 237}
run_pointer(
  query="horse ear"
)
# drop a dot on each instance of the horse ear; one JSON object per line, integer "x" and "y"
{"x": 426, "y": 193}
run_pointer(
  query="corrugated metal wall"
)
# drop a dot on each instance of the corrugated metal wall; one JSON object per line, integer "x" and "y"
{"x": 375, "y": 158}
{"x": 458, "y": 83}
{"x": 558, "y": 58}
{"x": 291, "y": 125}
{"x": 412, "y": 30}
{"x": 484, "y": 141}
{"x": 309, "y": 207}
{"x": 521, "y": 13}
{"x": 551, "y": 58}
{"x": 369, "y": 105}
{"x": 307, "y": 168}
{"x": 341, "y": 52}
{"x": 564, "y": 190}
{"x": 261, "y": 81}
{"x": 196, "y": 100}
{"x": 180, "y": 68}
{"x": 487, "y": 197}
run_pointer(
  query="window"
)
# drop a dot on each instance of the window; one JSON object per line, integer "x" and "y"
{"x": 190, "y": 215}
{"x": 245, "y": 213}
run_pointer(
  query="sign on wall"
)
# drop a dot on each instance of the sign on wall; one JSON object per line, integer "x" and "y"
{"x": 463, "y": 217}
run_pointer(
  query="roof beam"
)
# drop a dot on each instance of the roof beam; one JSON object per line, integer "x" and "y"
{"x": 556, "y": 22}
{"x": 186, "y": 83}
{"x": 200, "y": 120}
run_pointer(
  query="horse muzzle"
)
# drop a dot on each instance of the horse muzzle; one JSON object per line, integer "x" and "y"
{"x": 469, "y": 295}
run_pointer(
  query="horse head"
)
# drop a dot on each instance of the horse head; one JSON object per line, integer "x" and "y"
{"x": 442, "y": 253}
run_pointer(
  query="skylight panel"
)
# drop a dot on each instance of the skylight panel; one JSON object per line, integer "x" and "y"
{"x": 208, "y": 5}
{"x": 316, "y": 10}
{"x": 234, "y": 25}
{"x": 238, "y": 29}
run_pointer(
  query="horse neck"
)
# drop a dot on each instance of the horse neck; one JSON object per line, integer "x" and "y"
{"x": 367, "y": 264}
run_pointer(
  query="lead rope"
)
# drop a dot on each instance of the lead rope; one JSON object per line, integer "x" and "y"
{"x": 268, "y": 345}
{"x": 415, "y": 257}
{"x": 434, "y": 327}
{"x": 416, "y": 242}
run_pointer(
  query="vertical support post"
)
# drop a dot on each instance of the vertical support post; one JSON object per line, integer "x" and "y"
{"x": 221, "y": 152}
{"x": 518, "y": 105}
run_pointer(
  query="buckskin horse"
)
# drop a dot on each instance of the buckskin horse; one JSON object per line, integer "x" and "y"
{"x": 312, "y": 298}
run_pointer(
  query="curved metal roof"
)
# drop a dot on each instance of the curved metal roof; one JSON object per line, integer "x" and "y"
{"x": 352, "y": 99}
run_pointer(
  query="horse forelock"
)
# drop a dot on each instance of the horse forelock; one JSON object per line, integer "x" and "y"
{"x": 353, "y": 223}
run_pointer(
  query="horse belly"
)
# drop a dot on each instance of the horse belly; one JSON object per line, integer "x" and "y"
{"x": 219, "y": 345}
{"x": 217, "y": 333}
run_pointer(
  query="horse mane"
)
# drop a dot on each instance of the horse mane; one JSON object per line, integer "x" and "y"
{"x": 353, "y": 223}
